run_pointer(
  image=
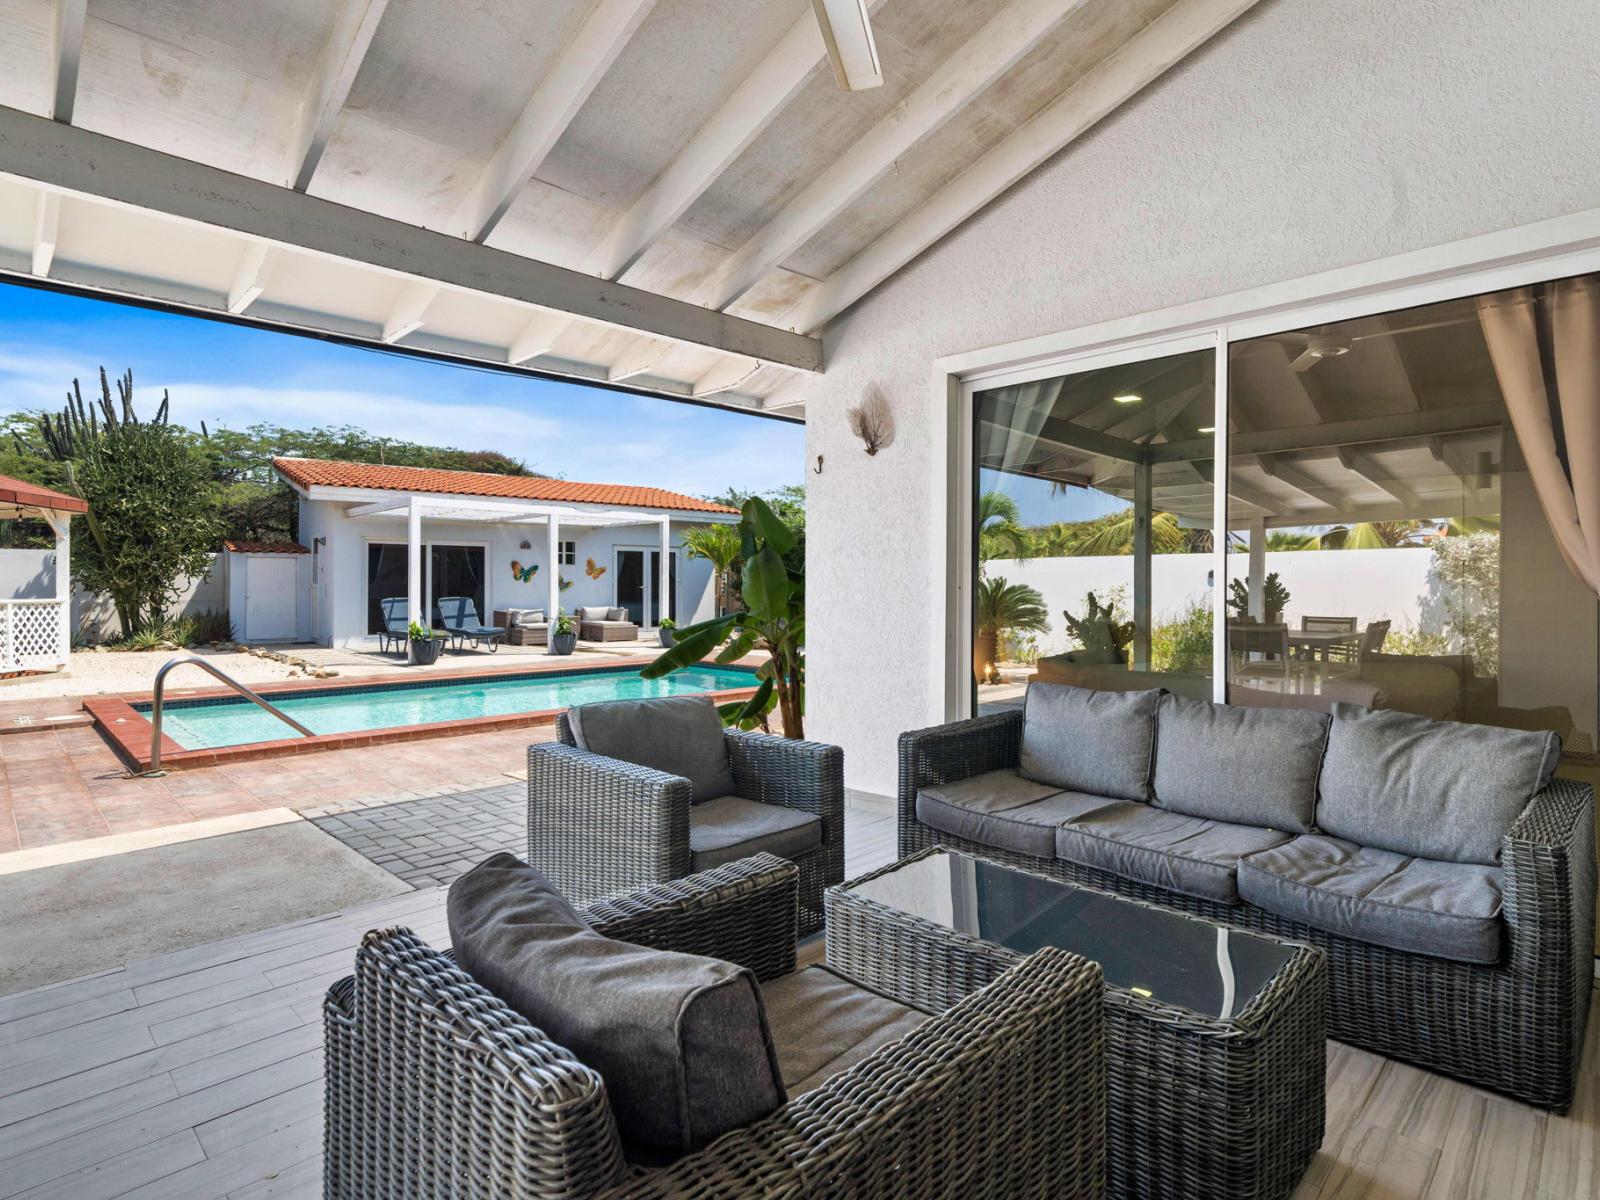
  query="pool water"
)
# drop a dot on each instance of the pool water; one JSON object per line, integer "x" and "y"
{"x": 207, "y": 724}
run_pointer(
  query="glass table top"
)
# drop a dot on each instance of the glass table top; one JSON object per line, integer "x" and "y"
{"x": 1167, "y": 956}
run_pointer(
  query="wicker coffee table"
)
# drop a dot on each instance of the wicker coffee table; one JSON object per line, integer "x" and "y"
{"x": 1215, "y": 1036}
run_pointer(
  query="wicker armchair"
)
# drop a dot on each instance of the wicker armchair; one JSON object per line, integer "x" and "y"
{"x": 598, "y": 825}
{"x": 436, "y": 1089}
{"x": 1516, "y": 1026}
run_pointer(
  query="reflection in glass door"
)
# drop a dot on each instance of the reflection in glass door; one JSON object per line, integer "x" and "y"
{"x": 455, "y": 571}
{"x": 672, "y": 585}
{"x": 636, "y": 587}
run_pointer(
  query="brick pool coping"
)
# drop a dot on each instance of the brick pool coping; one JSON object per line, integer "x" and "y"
{"x": 128, "y": 729}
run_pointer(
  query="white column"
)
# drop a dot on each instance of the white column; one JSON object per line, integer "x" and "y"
{"x": 414, "y": 562}
{"x": 1143, "y": 510}
{"x": 552, "y": 564}
{"x": 664, "y": 596}
{"x": 61, "y": 523}
{"x": 1258, "y": 567}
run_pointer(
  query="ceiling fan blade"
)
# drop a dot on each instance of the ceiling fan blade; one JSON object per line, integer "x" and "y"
{"x": 1304, "y": 362}
{"x": 847, "y": 33}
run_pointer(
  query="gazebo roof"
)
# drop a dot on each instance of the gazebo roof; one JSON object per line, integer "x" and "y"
{"x": 17, "y": 495}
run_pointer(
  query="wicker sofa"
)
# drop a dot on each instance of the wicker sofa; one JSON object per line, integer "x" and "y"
{"x": 437, "y": 1088}
{"x": 646, "y": 808}
{"x": 1478, "y": 969}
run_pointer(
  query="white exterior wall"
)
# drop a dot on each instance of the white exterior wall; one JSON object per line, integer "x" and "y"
{"x": 342, "y": 565}
{"x": 30, "y": 574}
{"x": 1310, "y": 135}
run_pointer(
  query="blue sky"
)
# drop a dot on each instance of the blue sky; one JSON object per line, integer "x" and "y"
{"x": 234, "y": 376}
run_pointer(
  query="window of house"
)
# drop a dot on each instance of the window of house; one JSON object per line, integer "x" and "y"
{"x": 569, "y": 554}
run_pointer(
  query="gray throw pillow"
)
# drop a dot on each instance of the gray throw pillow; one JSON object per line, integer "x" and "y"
{"x": 1249, "y": 766}
{"x": 681, "y": 1040}
{"x": 681, "y": 735}
{"x": 1082, "y": 740}
{"x": 1432, "y": 789}
{"x": 616, "y": 614}
{"x": 592, "y": 614}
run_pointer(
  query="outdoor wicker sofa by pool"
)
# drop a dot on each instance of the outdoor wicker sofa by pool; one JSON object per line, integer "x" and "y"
{"x": 642, "y": 791}
{"x": 1456, "y": 909}
{"x": 438, "y": 1088}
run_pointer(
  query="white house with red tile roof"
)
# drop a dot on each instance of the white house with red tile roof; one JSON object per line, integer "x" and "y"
{"x": 507, "y": 541}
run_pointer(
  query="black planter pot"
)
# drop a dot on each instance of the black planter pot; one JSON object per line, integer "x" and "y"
{"x": 424, "y": 652}
{"x": 563, "y": 643}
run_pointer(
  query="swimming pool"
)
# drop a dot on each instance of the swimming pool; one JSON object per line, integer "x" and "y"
{"x": 211, "y": 723}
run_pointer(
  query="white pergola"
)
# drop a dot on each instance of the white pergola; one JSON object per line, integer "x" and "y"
{"x": 417, "y": 507}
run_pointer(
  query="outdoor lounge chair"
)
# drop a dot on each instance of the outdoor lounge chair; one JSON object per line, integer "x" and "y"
{"x": 396, "y": 623}
{"x": 438, "y": 1087}
{"x": 458, "y": 615}
{"x": 606, "y": 625}
{"x": 636, "y": 792}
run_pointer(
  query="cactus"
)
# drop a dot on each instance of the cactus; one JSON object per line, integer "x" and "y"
{"x": 1098, "y": 628}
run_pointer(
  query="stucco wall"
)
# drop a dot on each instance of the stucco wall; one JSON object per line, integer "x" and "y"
{"x": 342, "y": 565}
{"x": 1310, "y": 135}
{"x": 30, "y": 574}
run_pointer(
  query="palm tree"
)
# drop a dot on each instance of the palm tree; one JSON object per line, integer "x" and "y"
{"x": 720, "y": 546}
{"x": 1000, "y": 530}
{"x": 1284, "y": 539}
{"x": 1113, "y": 534}
{"x": 1371, "y": 535}
{"x": 1003, "y": 606}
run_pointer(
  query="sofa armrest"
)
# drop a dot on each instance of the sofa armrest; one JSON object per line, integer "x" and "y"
{"x": 745, "y": 912}
{"x": 959, "y": 750}
{"x": 1549, "y": 861}
{"x": 1003, "y": 1095}
{"x": 599, "y": 825}
{"x": 796, "y": 774}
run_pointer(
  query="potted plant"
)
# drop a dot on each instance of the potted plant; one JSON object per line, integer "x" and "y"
{"x": 664, "y": 630}
{"x": 563, "y": 634}
{"x": 1274, "y": 598}
{"x": 423, "y": 645}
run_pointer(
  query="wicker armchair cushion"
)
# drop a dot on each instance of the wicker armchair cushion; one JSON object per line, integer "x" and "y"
{"x": 1002, "y": 809}
{"x": 1083, "y": 740}
{"x": 616, "y": 614}
{"x": 823, "y": 1024}
{"x": 681, "y": 735}
{"x": 1433, "y": 789}
{"x": 592, "y": 613}
{"x": 1249, "y": 766}
{"x": 1447, "y": 909}
{"x": 728, "y": 828}
{"x": 681, "y": 1040}
{"x": 1165, "y": 849}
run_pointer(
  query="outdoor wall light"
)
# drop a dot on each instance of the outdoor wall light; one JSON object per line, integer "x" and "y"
{"x": 1127, "y": 398}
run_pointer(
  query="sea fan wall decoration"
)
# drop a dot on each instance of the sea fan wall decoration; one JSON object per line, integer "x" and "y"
{"x": 872, "y": 422}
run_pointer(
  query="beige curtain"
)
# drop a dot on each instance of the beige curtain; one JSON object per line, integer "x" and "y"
{"x": 1548, "y": 365}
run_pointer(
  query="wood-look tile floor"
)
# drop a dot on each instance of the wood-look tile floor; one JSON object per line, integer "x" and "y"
{"x": 198, "y": 1075}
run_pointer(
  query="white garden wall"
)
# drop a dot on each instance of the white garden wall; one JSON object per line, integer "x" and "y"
{"x": 31, "y": 575}
{"x": 1310, "y": 135}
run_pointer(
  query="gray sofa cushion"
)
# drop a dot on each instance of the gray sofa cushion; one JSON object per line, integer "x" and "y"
{"x": 1002, "y": 809}
{"x": 1082, "y": 740}
{"x": 1447, "y": 909}
{"x": 616, "y": 614}
{"x": 728, "y": 828}
{"x": 1433, "y": 789}
{"x": 682, "y": 1041}
{"x": 592, "y": 613}
{"x": 822, "y": 1024}
{"x": 1164, "y": 849}
{"x": 1249, "y": 766}
{"x": 681, "y": 735}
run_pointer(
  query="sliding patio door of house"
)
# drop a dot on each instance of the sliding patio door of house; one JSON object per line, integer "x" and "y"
{"x": 637, "y": 587}
{"x": 447, "y": 570}
{"x": 1093, "y": 512}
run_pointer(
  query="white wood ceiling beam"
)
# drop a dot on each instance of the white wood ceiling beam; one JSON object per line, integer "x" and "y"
{"x": 410, "y": 310}
{"x": 1292, "y": 476}
{"x": 1367, "y": 468}
{"x": 1140, "y": 60}
{"x": 724, "y": 376}
{"x": 555, "y": 102}
{"x": 638, "y": 359}
{"x": 251, "y": 277}
{"x": 76, "y": 160}
{"x": 46, "y": 226}
{"x": 68, "y": 53}
{"x": 986, "y": 56}
{"x": 354, "y": 24}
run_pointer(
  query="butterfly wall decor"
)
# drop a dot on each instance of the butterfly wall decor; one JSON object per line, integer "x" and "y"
{"x": 564, "y": 582}
{"x": 592, "y": 571}
{"x": 523, "y": 574}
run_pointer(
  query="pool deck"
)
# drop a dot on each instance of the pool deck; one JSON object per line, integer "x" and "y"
{"x": 128, "y": 729}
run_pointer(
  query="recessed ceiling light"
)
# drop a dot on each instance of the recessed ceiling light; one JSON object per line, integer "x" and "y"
{"x": 1127, "y": 398}
{"x": 1206, "y": 429}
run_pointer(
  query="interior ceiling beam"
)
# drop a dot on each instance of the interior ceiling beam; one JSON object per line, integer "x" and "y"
{"x": 640, "y": 358}
{"x": 1140, "y": 60}
{"x": 986, "y": 56}
{"x": 1363, "y": 464}
{"x": 577, "y": 70}
{"x": 1424, "y": 423}
{"x": 67, "y": 54}
{"x": 354, "y": 23}
{"x": 46, "y": 231}
{"x": 103, "y": 168}
{"x": 251, "y": 277}
{"x": 410, "y": 310}
{"x": 1292, "y": 476}
{"x": 724, "y": 376}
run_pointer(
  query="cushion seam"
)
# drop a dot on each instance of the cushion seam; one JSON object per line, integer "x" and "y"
{"x": 1148, "y": 849}
{"x": 1367, "y": 899}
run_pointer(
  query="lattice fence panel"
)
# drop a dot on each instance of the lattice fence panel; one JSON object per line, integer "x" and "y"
{"x": 31, "y": 633}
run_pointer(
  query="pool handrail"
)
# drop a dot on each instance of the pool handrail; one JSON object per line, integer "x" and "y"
{"x": 159, "y": 698}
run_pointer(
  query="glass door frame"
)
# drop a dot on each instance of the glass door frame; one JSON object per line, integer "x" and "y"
{"x": 1552, "y": 249}
{"x": 652, "y": 577}
{"x": 427, "y": 546}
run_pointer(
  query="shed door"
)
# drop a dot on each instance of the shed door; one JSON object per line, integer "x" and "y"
{"x": 269, "y": 598}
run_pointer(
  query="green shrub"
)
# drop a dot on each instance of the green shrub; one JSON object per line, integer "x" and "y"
{"x": 1183, "y": 644}
{"x": 211, "y": 625}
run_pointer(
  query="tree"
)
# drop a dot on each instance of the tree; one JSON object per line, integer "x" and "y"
{"x": 1005, "y": 606}
{"x": 718, "y": 545}
{"x": 1000, "y": 530}
{"x": 772, "y": 593}
{"x": 788, "y": 502}
{"x": 151, "y": 520}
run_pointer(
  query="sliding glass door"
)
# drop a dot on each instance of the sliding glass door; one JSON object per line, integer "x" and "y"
{"x": 637, "y": 586}
{"x": 447, "y": 570}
